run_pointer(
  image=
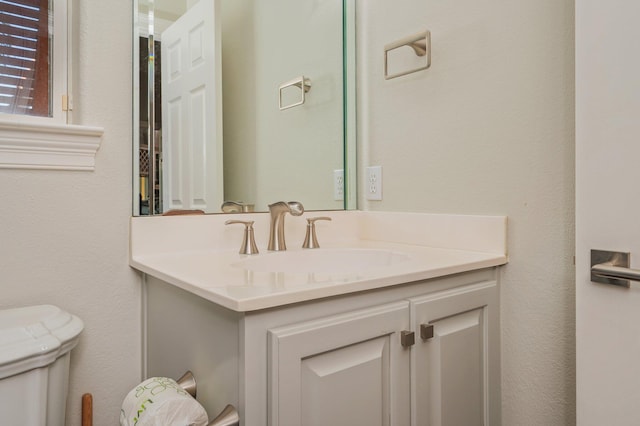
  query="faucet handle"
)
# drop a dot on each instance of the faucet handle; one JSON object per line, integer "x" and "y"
{"x": 296, "y": 208}
{"x": 248, "y": 241}
{"x": 310, "y": 239}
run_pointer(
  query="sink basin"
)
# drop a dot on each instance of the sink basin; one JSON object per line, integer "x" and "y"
{"x": 328, "y": 261}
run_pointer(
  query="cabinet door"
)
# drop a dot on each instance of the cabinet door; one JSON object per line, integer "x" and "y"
{"x": 455, "y": 379}
{"x": 341, "y": 370}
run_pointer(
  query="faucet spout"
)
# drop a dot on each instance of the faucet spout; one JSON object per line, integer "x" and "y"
{"x": 236, "y": 207}
{"x": 276, "y": 228}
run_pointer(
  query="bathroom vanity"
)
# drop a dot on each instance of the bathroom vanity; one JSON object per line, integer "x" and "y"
{"x": 394, "y": 321}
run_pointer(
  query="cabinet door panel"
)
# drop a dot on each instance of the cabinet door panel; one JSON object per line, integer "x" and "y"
{"x": 342, "y": 370}
{"x": 358, "y": 374}
{"x": 458, "y": 353}
{"x": 455, "y": 376}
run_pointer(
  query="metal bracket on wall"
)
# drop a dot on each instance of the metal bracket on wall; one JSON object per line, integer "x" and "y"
{"x": 421, "y": 45}
{"x": 302, "y": 83}
{"x": 612, "y": 267}
{"x": 228, "y": 416}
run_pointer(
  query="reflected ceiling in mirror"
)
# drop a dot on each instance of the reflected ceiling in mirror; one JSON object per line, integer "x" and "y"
{"x": 249, "y": 101}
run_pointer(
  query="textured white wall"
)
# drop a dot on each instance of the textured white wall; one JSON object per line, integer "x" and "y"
{"x": 64, "y": 235}
{"x": 488, "y": 129}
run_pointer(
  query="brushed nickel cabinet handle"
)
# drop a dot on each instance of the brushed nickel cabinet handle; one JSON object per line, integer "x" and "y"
{"x": 407, "y": 338}
{"x": 426, "y": 331}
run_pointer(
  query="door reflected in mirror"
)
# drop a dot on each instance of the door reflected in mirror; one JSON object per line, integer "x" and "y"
{"x": 244, "y": 101}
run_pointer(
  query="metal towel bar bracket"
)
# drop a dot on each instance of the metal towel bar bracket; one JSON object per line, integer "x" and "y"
{"x": 228, "y": 416}
{"x": 302, "y": 83}
{"x": 421, "y": 45}
{"x": 612, "y": 267}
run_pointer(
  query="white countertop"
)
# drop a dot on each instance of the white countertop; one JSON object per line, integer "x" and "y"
{"x": 200, "y": 255}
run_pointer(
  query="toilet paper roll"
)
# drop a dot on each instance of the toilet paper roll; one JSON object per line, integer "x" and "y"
{"x": 160, "y": 401}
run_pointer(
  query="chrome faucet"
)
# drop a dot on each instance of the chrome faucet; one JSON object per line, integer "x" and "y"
{"x": 276, "y": 230}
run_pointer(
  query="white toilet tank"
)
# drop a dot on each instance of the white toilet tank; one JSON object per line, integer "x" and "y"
{"x": 35, "y": 345}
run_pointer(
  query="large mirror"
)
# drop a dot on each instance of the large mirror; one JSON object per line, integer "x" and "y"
{"x": 241, "y": 103}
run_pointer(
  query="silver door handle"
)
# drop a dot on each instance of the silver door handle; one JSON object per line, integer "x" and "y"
{"x": 612, "y": 267}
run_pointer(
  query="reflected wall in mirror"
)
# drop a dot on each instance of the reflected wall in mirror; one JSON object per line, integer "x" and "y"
{"x": 251, "y": 101}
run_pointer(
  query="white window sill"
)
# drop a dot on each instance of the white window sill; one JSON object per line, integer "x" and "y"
{"x": 48, "y": 146}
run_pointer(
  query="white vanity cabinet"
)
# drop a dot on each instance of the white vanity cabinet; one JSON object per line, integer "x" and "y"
{"x": 339, "y": 360}
{"x": 352, "y": 369}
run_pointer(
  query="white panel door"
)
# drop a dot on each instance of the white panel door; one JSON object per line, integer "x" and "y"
{"x": 455, "y": 372}
{"x": 342, "y": 370}
{"x": 607, "y": 209}
{"x": 191, "y": 111}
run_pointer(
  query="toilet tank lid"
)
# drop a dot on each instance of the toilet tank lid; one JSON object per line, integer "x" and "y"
{"x": 35, "y": 336}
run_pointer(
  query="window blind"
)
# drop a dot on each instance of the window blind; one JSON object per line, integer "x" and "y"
{"x": 25, "y": 71}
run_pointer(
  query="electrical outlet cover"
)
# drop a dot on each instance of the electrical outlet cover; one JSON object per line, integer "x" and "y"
{"x": 338, "y": 185}
{"x": 373, "y": 183}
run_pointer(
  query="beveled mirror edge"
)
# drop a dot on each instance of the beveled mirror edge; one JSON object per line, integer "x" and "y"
{"x": 350, "y": 110}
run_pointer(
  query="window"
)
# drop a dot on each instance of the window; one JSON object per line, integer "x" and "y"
{"x": 34, "y": 60}
{"x": 33, "y": 64}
